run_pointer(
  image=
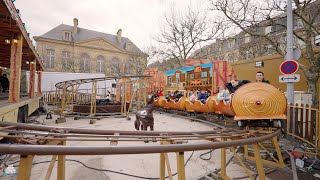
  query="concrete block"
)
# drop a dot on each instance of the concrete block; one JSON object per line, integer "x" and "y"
{"x": 61, "y": 119}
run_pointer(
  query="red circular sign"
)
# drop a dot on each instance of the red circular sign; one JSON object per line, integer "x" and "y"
{"x": 289, "y": 67}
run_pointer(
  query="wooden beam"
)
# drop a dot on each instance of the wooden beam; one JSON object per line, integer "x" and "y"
{"x": 32, "y": 78}
{"x": 39, "y": 93}
{"x": 15, "y": 70}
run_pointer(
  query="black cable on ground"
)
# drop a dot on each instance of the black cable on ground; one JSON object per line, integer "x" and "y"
{"x": 106, "y": 170}
{"x": 206, "y": 159}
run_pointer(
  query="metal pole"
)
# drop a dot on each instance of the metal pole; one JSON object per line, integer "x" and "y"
{"x": 290, "y": 85}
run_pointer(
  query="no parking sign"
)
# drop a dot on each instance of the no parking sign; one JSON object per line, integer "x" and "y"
{"x": 289, "y": 67}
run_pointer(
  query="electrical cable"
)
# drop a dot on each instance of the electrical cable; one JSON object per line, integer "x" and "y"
{"x": 206, "y": 159}
{"x": 106, "y": 170}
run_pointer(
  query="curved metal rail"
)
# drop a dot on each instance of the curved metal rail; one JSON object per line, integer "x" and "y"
{"x": 257, "y": 137}
{"x": 70, "y": 83}
{"x": 101, "y": 150}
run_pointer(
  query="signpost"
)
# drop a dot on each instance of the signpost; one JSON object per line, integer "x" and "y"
{"x": 289, "y": 78}
{"x": 289, "y": 67}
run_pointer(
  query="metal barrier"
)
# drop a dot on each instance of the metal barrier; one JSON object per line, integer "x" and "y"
{"x": 303, "y": 123}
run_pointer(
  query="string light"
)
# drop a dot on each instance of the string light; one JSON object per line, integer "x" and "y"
{"x": 7, "y": 41}
{"x": 15, "y": 41}
{"x": 27, "y": 62}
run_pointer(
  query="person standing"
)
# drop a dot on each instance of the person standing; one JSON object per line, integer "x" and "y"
{"x": 260, "y": 77}
{"x": 4, "y": 83}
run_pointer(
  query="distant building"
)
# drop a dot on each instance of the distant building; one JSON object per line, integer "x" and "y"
{"x": 243, "y": 46}
{"x": 73, "y": 49}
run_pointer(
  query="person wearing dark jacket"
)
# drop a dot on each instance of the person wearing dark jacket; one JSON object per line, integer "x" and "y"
{"x": 260, "y": 77}
{"x": 234, "y": 84}
{"x": 203, "y": 96}
{"x": 4, "y": 82}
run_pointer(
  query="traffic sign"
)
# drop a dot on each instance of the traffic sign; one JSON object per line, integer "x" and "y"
{"x": 289, "y": 78}
{"x": 296, "y": 54}
{"x": 289, "y": 67}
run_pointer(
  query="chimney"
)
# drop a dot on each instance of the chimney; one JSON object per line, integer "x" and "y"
{"x": 75, "y": 25}
{"x": 119, "y": 35}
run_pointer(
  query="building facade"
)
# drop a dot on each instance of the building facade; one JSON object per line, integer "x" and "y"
{"x": 256, "y": 40}
{"x": 73, "y": 49}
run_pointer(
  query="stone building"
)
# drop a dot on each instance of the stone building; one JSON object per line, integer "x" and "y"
{"x": 244, "y": 47}
{"x": 74, "y": 49}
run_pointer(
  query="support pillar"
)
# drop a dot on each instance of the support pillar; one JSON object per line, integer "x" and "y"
{"x": 25, "y": 166}
{"x": 259, "y": 163}
{"x": 15, "y": 69}
{"x": 145, "y": 94}
{"x": 180, "y": 166}
{"x": 1, "y": 72}
{"x": 39, "y": 93}
{"x": 61, "y": 165}
{"x": 32, "y": 79}
{"x": 162, "y": 167}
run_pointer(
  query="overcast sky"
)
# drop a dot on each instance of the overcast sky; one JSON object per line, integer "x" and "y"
{"x": 138, "y": 19}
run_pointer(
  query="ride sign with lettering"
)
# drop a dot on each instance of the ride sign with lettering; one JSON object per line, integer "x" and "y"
{"x": 289, "y": 67}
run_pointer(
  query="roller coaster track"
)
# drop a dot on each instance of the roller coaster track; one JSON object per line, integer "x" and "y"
{"x": 70, "y": 83}
{"x": 241, "y": 137}
{"x": 48, "y": 140}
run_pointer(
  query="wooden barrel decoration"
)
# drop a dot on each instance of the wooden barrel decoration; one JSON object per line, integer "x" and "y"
{"x": 222, "y": 107}
{"x": 158, "y": 102}
{"x": 259, "y": 101}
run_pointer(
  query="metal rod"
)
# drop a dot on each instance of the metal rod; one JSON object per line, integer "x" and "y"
{"x": 102, "y": 150}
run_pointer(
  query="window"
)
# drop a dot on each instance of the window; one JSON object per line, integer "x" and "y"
{"x": 65, "y": 59}
{"x": 191, "y": 76}
{"x": 50, "y": 59}
{"x": 298, "y": 24}
{"x": 204, "y": 74}
{"x": 67, "y": 36}
{"x": 100, "y": 64}
{"x": 115, "y": 69}
{"x": 84, "y": 63}
{"x": 267, "y": 30}
{"x": 247, "y": 38}
{"x": 231, "y": 43}
{"x": 170, "y": 79}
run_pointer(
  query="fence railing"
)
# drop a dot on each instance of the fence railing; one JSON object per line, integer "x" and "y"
{"x": 53, "y": 97}
{"x": 303, "y": 121}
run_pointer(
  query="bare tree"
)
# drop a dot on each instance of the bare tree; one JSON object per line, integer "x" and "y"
{"x": 182, "y": 34}
{"x": 139, "y": 62}
{"x": 254, "y": 18}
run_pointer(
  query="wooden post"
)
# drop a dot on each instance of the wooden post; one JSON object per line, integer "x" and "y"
{"x": 72, "y": 98}
{"x": 180, "y": 166}
{"x": 223, "y": 159}
{"x": 61, "y": 165}
{"x": 25, "y": 166}
{"x": 15, "y": 69}
{"x": 122, "y": 95}
{"x": 259, "y": 163}
{"x": 139, "y": 94}
{"x": 125, "y": 97}
{"x": 276, "y": 146}
{"x": 32, "y": 78}
{"x": 50, "y": 168}
{"x": 1, "y": 72}
{"x": 39, "y": 93}
{"x": 63, "y": 100}
{"x": 93, "y": 107}
{"x": 162, "y": 167}
{"x": 145, "y": 92}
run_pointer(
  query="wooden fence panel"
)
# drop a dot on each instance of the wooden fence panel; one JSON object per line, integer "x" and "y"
{"x": 303, "y": 121}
